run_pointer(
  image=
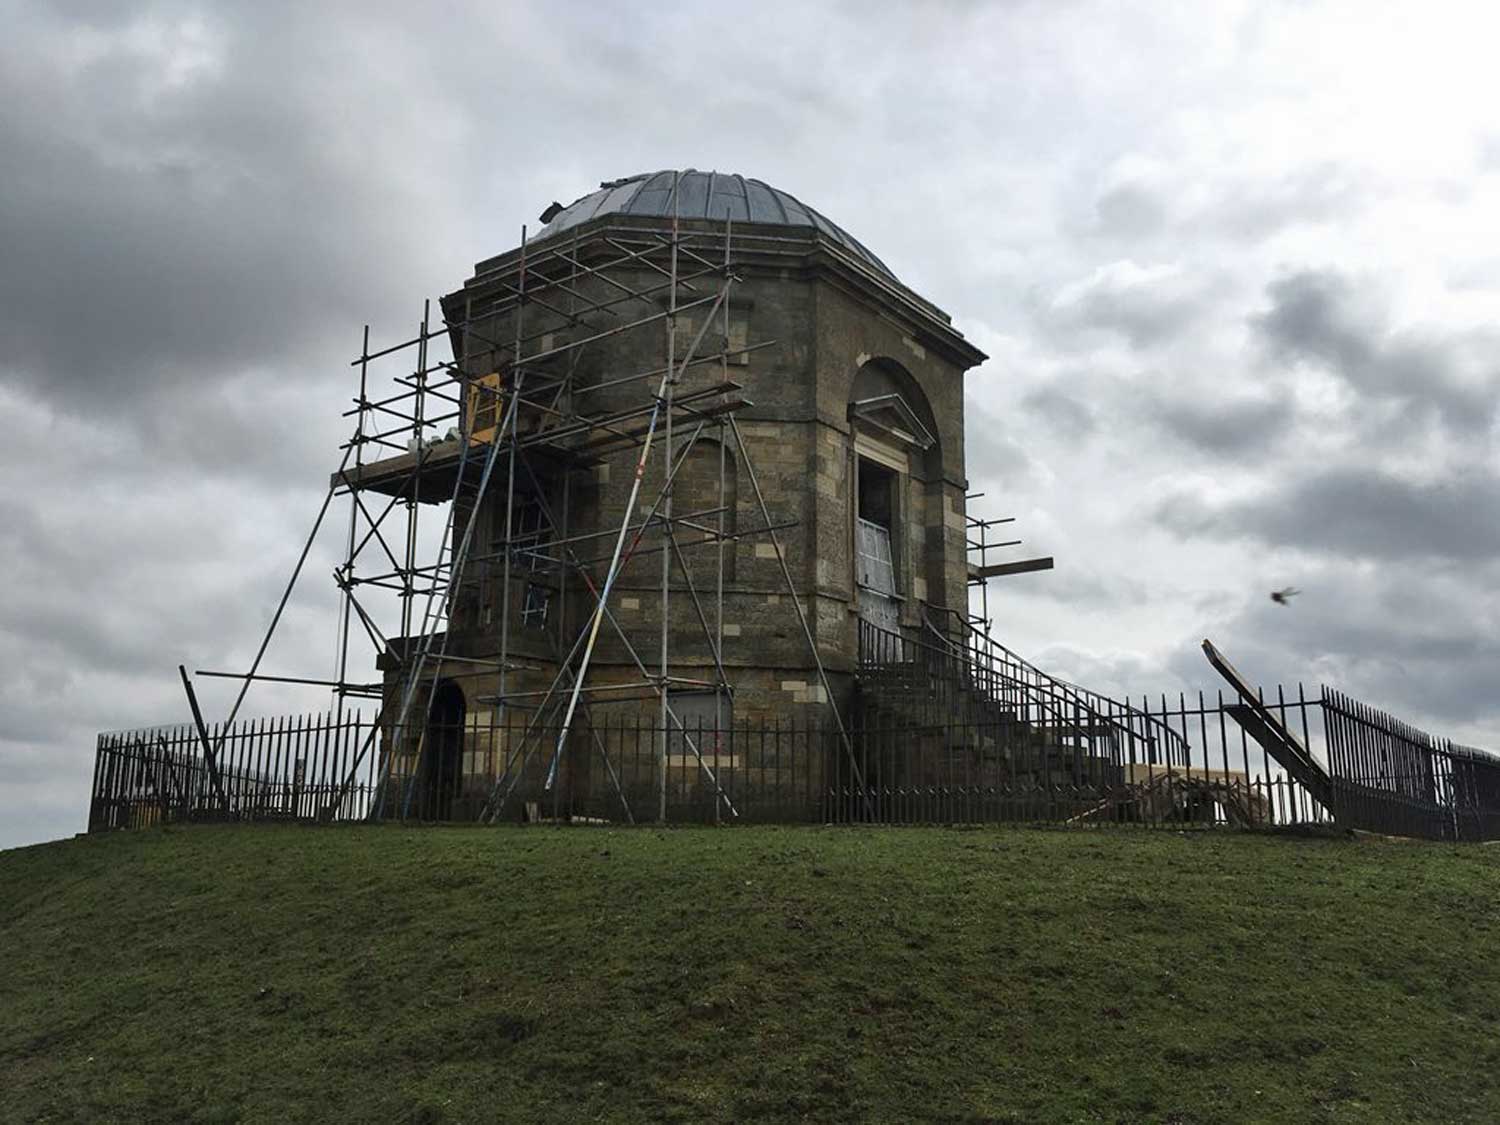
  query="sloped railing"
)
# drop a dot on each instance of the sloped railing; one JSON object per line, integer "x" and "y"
{"x": 969, "y": 663}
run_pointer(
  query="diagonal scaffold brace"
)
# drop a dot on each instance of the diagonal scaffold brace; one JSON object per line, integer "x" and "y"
{"x": 812, "y": 644}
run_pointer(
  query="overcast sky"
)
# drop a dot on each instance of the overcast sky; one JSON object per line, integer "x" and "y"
{"x": 1237, "y": 267}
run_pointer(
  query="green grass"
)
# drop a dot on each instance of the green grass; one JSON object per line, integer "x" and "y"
{"x": 393, "y": 974}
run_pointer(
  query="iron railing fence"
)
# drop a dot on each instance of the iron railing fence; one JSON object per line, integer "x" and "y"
{"x": 975, "y": 767}
{"x": 297, "y": 767}
{"x": 1388, "y": 776}
{"x": 965, "y": 671}
{"x": 956, "y": 761}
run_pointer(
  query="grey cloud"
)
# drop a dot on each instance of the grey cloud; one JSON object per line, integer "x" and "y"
{"x": 1314, "y": 316}
{"x": 1228, "y": 207}
{"x": 30, "y": 817}
{"x": 156, "y": 226}
{"x": 1357, "y": 513}
{"x": 126, "y": 586}
{"x": 1076, "y": 583}
{"x": 1060, "y": 410}
{"x": 1118, "y": 675}
{"x": 1230, "y": 424}
{"x": 1227, "y": 427}
{"x": 1146, "y": 306}
{"x": 993, "y": 454}
{"x": 1322, "y": 317}
{"x": 1130, "y": 211}
{"x": 1257, "y": 209}
{"x": 1426, "y": 649}
{"x": 254, "y": 430}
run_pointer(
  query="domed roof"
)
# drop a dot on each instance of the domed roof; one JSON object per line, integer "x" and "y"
{"x": 704, "y": 195}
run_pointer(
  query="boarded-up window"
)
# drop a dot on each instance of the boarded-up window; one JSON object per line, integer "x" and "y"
{"x": 875, "y": 569}
{"x": 699, "y": 713}
{"x": 486, "y": 407}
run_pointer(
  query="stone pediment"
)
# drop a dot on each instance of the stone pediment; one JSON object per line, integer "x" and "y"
{"x": 891, "y": 415}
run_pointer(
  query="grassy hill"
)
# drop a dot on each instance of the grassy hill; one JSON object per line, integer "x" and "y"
{"x": 397, "y": 974}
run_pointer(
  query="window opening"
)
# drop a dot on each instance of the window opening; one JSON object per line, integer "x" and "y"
{"x": 876, "y": 487}
{"x": 530, "y": 532}
{"x": 874, "y": 559}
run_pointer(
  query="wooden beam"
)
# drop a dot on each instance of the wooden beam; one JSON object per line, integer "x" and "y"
{"x": 1267, "y": 728}
{"x": 1023, "y": 566}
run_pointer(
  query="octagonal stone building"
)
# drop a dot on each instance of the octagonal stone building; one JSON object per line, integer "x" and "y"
{"x": 802, "y": 365}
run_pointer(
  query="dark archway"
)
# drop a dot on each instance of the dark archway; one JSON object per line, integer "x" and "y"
{"x": 443, "y": 755}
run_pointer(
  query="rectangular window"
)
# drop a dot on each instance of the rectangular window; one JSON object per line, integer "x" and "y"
{"x": 877, "y": 489}
{"x": 875, "y": 527}
{"x": 874, "y": 559}
{"x": 530, "y": 533}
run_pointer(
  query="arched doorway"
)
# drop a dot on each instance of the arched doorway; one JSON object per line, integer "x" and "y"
{"x": 443, "y": 756}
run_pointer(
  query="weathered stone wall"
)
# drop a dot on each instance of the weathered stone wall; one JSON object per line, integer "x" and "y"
{"x": 818, "y": 324}
{"x": 851, "y": 334}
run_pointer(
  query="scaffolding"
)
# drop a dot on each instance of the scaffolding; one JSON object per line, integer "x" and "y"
{"x": 570, "y": 351}
{"x": 977, "y": 548}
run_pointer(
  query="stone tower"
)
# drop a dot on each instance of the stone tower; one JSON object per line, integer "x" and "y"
{"x": 809, "y": 386}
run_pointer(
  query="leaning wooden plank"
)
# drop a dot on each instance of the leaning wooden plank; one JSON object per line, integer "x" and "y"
{"x": 1263, "y": 725}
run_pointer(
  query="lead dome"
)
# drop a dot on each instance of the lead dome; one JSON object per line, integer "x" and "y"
{"x": 703, "y": 196}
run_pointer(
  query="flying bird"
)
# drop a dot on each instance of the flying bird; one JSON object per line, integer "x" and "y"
{"x": 1284, "y": 595}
